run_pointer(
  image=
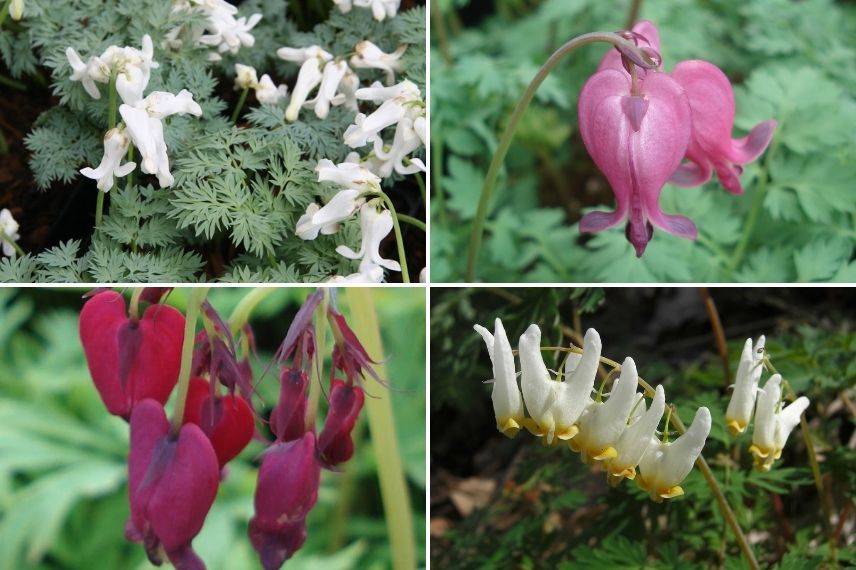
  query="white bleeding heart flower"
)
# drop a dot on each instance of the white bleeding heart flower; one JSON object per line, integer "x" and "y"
{"x": 325, "y": 220}
{"x": 311, "y": 60}
{"x": 116, "y": 144}
{"x": 370, "y": 56}
{"x": 8, "y": 232}
{"x": 332, "y": 76}
{"x": 392, "y": 157}
{"x": 269, "y": 94}
{"x": 346, "y": 174}
{"x": 396, "y": 102}
{"x": 375, "y": 227}
{"x": 161, "y": 104}
{"x": 245, "y": 77}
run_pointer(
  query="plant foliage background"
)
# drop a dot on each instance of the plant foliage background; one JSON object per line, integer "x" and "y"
{"x": 792, "y": 61}
{"x": 503, "y": 503}
{"x": 63, "y": 493}
{"x": 239, "y": 190}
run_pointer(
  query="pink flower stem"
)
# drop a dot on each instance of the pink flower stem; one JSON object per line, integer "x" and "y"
{"x": 508, "y": 135}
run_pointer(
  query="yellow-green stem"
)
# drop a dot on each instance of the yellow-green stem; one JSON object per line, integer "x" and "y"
{"x": 135, "y": 303}
{"x": 241, "y": 314}
{"x": 507, "y": 136}
{"x": 240, "y": 104}
{"x": 402, "y": 257}
{"x": 5, "y": 11}
{"x": 412, "y": 221}
{"x": 197, "y": 295}
{"x": 317, "y": 376}
{"x": 393, "y": 485}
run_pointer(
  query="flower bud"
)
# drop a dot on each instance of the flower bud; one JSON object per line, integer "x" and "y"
{"x": 287, "y": 490}
{"x": 16, "y": 9}
{"x": 172, "y": 483}
{"x": 288, "y": 418}
{"x": 335, "y": 445}
{"x": 226, "y": 420}
{"x": 130, "y": 360}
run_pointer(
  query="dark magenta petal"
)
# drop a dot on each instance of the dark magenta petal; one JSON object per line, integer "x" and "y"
{"x": 226, "y": 420}
{"x": 300, "y": 325}
{"x": 597, "y": 221}
{"x": 185, "y": 558}
{"x": 276, "y": 543}
{"x": 288, "y": 418}
{"x": 149, "y": 363}
{"x": 335, "y": 445}
{"x": 154, "y": 294}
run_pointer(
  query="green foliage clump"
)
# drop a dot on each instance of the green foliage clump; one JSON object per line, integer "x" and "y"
{"x": 791, "y": 61}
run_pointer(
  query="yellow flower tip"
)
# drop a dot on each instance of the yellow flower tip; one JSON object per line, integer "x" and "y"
{"x": 607, "y": 453}
{"x": 628, "y": 473}
{"x": 573, "y": 445}
{"x": 735, "y": 427}
{"x": 613, "y": 480}
{"x": 567, "y": 434}
{"x": 672, "y": 492}
{"x": 778, "y": 454}
{"x": 533, "y": 427}
{"x": 758, "y": 452}
{"x": 509, "y": 427}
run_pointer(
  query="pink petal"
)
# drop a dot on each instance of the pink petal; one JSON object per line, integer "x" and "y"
{"x": 695, "y": 171}
{"x": 646, "y": 29}
{"x": 750, "y": 147}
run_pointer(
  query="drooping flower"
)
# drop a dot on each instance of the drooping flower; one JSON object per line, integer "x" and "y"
{"x": 711, "y": 147}
{"x": 375, "y": 226}
{"x": 287, "y": 490}
{"x": 392, "y": 157}
{"x": 288, "y": 418}
{"x": 645, "y": 35}
{"x": 245, "y": 76}
{"x": 603, "y": 423}
{"x": 335, "y": 445}
{"x": 116, "y": 143}
{"x": 131, "y": 66}
{"x": 16, "y": 9}
{"x": 87, "y": 73}
{"x": 8, "y": 232}
{"x": 637, "y": 136}
{"x": 172, "y": 483}
{"x": 573, "y": 394}
{"x": 742, "y": 402}
{"x": 507, "y": 402}
{"x": 130, "y": 360}
{"x": 311, "y": 60}
{"x": 381, "y": 9}
{"x": 370, "y": 56}
{"x": 636, "y": 437}
{"x": 226, "y": 420}
{"x": 347, "y": 175}
{"x": 773, "y": 423}
{"x": 396, "y": 102}
{"x": 268, "y": 93}
{"x": 326, "y": 219}
{"x": 221, "y": 29}
{"x": 328, "y": 89}
{"x": 665, "y": 464}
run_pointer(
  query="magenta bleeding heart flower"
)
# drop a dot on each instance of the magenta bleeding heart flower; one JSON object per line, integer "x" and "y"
{"x": 287, "y": 490}
{"x": 636, "y": 132}
{"x": 711, "y": 146}
{"x": 335, "y": 445}
{"x": 130, "y": 359}
{"x": 172, "y": 483}
{"x": 288, "y": 418}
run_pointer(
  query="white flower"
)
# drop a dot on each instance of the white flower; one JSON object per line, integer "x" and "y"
{"x": 664, "y": 465}
{"x": 368, "y": 273}
{"x": 381, "y": 9}
{"x": 636, "y": 438}
{"x": 326, "y": 220}
{"x": 535, "y": 383}
{"x": 245, "y": 77}
{"x": 269, "y": 94}
{"x": 420, "y": 125}
{"x": 423, "y": 275}
{"x": 375, "y": 227}
{"x": 347, "y": 174}
{"x": 773, "y": 423}
{"x": 344, "y": 5}
{"x": 132, "y": 68}
{"x": 406, "y": 141}
{"x": 573, "y": 394}
{"x": 161, "y": 104}
{"x": 369, "y": 56}
{"x": 333, "y": 74}
{"x": 115, "y": 147}
{"x": 396, "y": 102}
{"x": 9, "y": 232}
{"x": 87, "y": 73}
{"x": 147, "y": 134}
{"x": 225, "y": 32}
{"x": 602, "y": 423}
{"x": 16, "y": 9}
{"x": 507, "y": 404}
{"x": 309, "y": 76}
{"x": 739, "y": 412}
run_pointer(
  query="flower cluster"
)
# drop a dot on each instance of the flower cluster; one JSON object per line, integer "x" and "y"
{"x": 617, "y": 431}
{"x": 142, "y": 116}
{"x": 773, "y": 421}
{"x": 381, "y": 9}
{"x": 222, "y": 30}
{"x": 135, "y": 364}
{"x": 336, "y": 82}
{"x": 8, "y": 232}
{"x": 640, "y": 125}
{"x": 267, "y": 92}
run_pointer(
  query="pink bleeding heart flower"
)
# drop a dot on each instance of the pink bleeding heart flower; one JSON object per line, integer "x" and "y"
{"x": 287, "y": 490}
{"x": 172, "y": 483}
{"x": 288, "y": 418}
{"x": 645, "y": 35}
{"x": 335, "y": 445}
{"x": 711, "y": 146}
{"x": 637, "y": 140}
{"x": 130, "y": 360}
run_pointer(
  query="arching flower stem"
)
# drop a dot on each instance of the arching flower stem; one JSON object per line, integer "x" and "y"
{"x": 197, "y": 296}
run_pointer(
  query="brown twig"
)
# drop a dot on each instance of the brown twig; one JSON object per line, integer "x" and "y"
{"x": 718, "y": 332}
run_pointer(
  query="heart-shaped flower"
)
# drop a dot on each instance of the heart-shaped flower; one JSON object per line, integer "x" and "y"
{"x": 226, "y": 420}
{"x": 172, "y": 483}
{"x": 335, "y": 445}
{"x": 288, "y": 418}
{"x": 131, "y": 360}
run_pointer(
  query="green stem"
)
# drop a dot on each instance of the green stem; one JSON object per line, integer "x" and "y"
{"x": 511, "y": 128}
{"x": 412, "y": 221}
{"x": 197, "y": 296}
{"x": 749, "y": 227}
{"x": 5, "y": 11}
{"x": 12, "y": 83}
{"x": 134, "y": 310}
{"x": 437, "y": 177}
{"x": 393, "y": 485}
{"x": 317, "y": 375}
{"x": 241, "y": 314}
{"x": 6, "y": 239}
{"x": 402, "y": 257}
{"x": 111, "y": 122}
{"x": 421, "y": 183}
{"x": 240, "y": 104}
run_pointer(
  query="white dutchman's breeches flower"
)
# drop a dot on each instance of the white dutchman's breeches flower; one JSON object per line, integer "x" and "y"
{"x": 773, "y": 423}
{"x": 268, "y": 93}
{"x": 664, "y": 465}
{"x": 375, "y": 226}
{"x": 573, "y": 394}
{"x": 396, "y": 102}
{"x": 116, "y": 143}
{"x": 739, "y": 412}
{"x": 535, "y": 383}
{"x": 326, "y": 220}
{"x": 245, "y": 77}
{"x": 603, "y": 422}
{"x": 636, "y": 437}
{"x": 392, "y": 158}
{"x": 311, "y": 60}
{"x": 507, "y": 403}
{"x": 8, "y": 232}
{"x": 347, "y": 174}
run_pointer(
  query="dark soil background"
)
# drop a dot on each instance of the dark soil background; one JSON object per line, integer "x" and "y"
{"x": 66, "y": 211}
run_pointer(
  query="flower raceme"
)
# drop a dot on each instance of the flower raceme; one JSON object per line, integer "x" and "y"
{"x": 618, "y": 432}
{"x": 639, "y": 125}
